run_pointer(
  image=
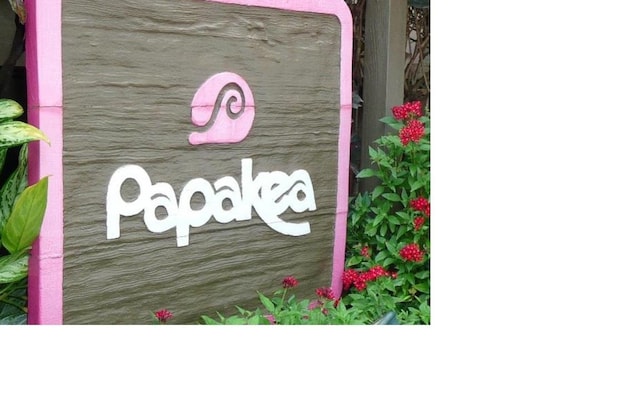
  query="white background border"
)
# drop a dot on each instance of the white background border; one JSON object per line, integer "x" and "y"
{"x": 536, "y": 243}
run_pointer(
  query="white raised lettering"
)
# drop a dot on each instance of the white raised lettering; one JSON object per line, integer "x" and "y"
{"x": 270, "y": 194}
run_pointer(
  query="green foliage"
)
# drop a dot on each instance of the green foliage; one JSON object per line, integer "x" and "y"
{"x": 382, "y": 222}
{"x": 21, "y": 213}
{"x": 283, "y": 308}
{"x": 23, "y": 225}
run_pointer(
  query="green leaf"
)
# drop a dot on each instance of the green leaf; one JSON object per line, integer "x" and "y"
{"x": 355, "y": 260}
{"x": 371, "y": 231}
{"x": 381, "y": 255}
{"x": 366, "y": 173}
{"x": 392, "y": 122}
{"x": 423, "y": 287}
{"x": 422, "y": 274}
{"x": 14, "y": 133}
{"x": 416, "y": 185}
{"x": 13, "y": 267}
{"x": 19, "y": 319}
{"x": 378, "y": 219}
{"x": 208, "y": 320}
{"x": 383, "y": 229}
{"x": 268, "y": 304}
{"x": 402, "y": 230}
{"x": 235, "y": 320}
{"x": 393, "y": 220}
{"x": 392, "y": 196}
{"x": 10, "y": 109}
{"x": 391, "y": 247}
{"x": 388, "y": 120}
{"x": 14, "y": 185}
{"x": 25, "y": 220}
{"x": 413, "y": 169}
{"x": 377, "y": 192}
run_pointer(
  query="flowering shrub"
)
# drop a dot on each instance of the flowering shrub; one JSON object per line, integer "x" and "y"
{"x": 283, "y": 308}
{"x": 388, "y": 229}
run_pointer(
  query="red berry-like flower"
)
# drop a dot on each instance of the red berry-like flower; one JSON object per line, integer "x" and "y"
{"x": 418, "y": 222}
{"x": 412, "y": 132}
{"x": 408, "y": 110}
{"x": 364, "y": 252}
{"x": 349, "y": 278}
{"x": 375, "y": 272}
{"x": 360, "y": 283}
{"x": 399, "y": 112}
{"x": 420, "y": 204}
{"x": 289, "y": 282}
{"x": 163, "y": 315}
{"x": 325, "y": 293}
{"x": 413, "y": 109}
{"x": 411, "y": 252}
{"x": 359, "y": 279}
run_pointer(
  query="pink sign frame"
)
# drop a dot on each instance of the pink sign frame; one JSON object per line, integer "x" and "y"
{"x": 45, "y": 110}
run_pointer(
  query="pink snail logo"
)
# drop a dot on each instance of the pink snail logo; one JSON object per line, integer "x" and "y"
{"x": 224, "y": 104}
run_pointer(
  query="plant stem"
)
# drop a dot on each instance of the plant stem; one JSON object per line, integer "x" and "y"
{"x": 4, "y": 293}
{"x": 284, "y": 294}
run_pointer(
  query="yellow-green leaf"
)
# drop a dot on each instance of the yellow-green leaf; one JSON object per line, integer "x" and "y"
{"x": 25, "y": 220}
{"x": 14, "y": 133}
{"x": 13, "y": 267}
{"x": 10, "y": 109}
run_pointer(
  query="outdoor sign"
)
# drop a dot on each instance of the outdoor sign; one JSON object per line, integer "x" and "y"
{"x": 199, "y": 154}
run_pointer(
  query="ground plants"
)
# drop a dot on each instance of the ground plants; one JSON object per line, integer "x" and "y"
{"x": 22, "y": 210}
{"x": 283, "y": 308}
{"x": 388, "y": 227}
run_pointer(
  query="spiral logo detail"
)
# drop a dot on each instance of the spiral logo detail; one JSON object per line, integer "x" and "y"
{"x": 224, "y": 105}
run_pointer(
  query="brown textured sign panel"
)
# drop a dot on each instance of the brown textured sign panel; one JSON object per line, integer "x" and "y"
{"x": 130, "y": 72}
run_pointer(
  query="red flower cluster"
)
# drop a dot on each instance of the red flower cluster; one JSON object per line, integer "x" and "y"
{"x": 408, "y": 113}
{"x": 414, "y": 109}
{"x": 289, "y": 282}
{"x": 163, "y": 315}
{"x": 325, "y": 293}
{"x": 359, "y": 279}
{"x": 364, "y": 252}
{"x": 350, "y": 276}
{"x": 407, "y": 110}
{"x": 399, "y": 112}
{"x": 412, "y": 132}
{"x": 411, "y": 252}
{"x": 421, "y": 204}
{"x": 418, "y": 222}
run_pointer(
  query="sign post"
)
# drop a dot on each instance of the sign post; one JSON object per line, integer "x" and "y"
{"x": 199, "y": 154}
